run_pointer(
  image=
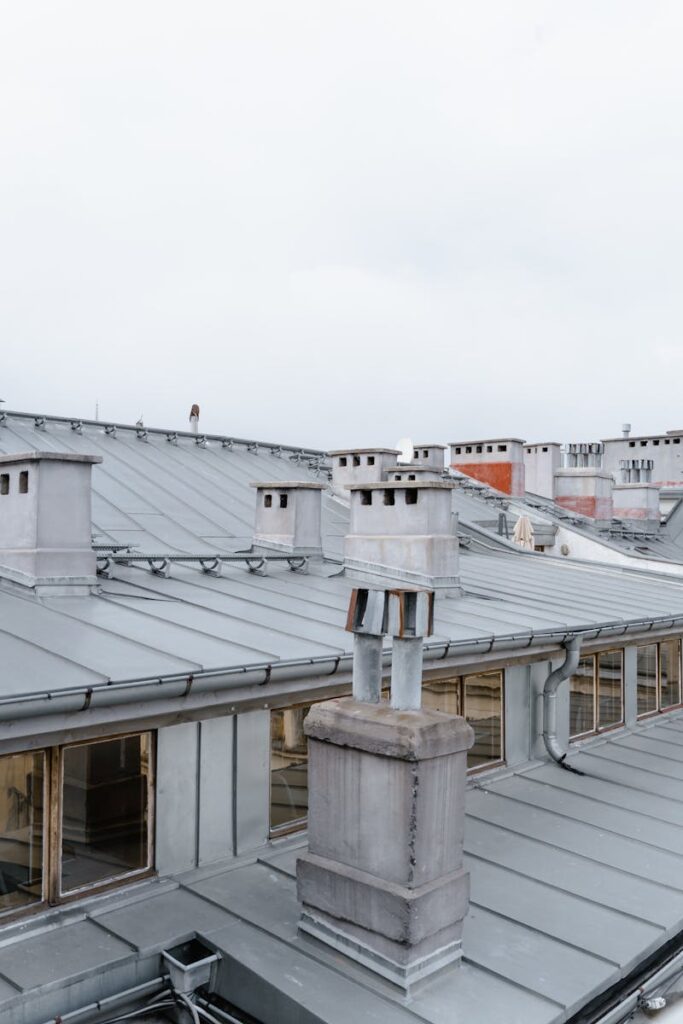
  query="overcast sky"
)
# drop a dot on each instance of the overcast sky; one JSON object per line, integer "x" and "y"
{"x": 338, "y": 223}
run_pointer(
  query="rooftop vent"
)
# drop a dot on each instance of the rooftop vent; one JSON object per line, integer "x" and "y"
{"x": 360, "y": 466}
{"x": 636, "y": 471}
{"x": 45, "y": 520}
{"x": 194, "y": 419}
{"x": 636, "y": 498}
{"x": 288, "y": 517}
{"x": 626, "y": 430}
{"x": 584, "y": 456}
{"x": 498, "y": 462}
{"x": 404, "y": 531}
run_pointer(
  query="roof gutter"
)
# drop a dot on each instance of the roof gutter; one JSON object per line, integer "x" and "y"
{"x": 181, "y": 684}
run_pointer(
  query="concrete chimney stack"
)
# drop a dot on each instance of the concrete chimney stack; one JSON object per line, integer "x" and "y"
{"x": 288, "y": 517}
{"x": 383, "y": 880}
{"x": 45, "y": 520}
{"x": 540, "y": 463}
{"x": 498, "y": 463}
{"x": 404, "y": 532}
{"x": 636, "y": 498}
{"x": 626, "y": 430}
{"x": 360, "y": 466}
{"x": 587, "y": 491}
{"x": 430, "y": 456}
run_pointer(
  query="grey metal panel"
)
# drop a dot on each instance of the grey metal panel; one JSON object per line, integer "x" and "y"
{"x": 176, "y": 798}
{"x": 600, "y": 931}
{"x": 215, "y": 789}
{"x": 627, "y": 855}
{"x": 252, "y": 782}
{"x": 582, "y": 808}
{"x": 53, "y": 959}
{"x": 162, "y": 921}
{"x": 552, "y": 969}
{"x": 593, "y": 880}
{"x": 517, "y": 714}
{"x": 256, "y": 894}
{"x": 647, "y": 763}
{"x": 594, "y": 762}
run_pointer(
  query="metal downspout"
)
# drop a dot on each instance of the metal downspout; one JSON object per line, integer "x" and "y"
{"x": 552, "y": 683}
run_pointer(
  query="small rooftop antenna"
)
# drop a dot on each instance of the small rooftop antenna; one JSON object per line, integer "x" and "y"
{"x": 405, "y": 446}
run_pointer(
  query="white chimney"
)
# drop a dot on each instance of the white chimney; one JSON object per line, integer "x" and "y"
{"x": 45, "y": 520}
{"x": 626, "y": 429}
{"x": 404, "y": 531}
{"x": 430, "y": 456}
{"x": 360, "y": 466}
{"x": 288, "y": 515}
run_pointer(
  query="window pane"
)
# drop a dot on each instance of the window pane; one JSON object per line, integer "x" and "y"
{"x": 647, "y": 679}
{"x": 288, "y": 766}
{"x": 670, "y": 673}
{"x": 610, "y": 689}
{"x": 582, "y": 698}
{"x": 484, "y": 712}
{"x": 21, "y": 829}
{"x": 443, "y": 695}
{"x": 105, "y": 800}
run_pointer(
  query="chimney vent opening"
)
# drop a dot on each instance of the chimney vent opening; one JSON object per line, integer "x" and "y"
{"x": 371, "y": 460}
{"x": 468, "y": 449}
{"x": 489, "y": 448}
{"x": 397, "y": 476}
{"x": 356, "y": 460}
{"x": 411, "y": 476}
{"x": 411, "y": 497}
{"x": 342, "y": 460}
{"x": 4, "y": 483}
{"x": 268, "y": 500}
{"x": 425, "y": 454}
{"x": 23, "y": 481}
{"x": 366, "y": 497}
{"x": 283, "y": 501}
{"x": 502, "y": 447}
{"x": 416, "y": 454}
{"x": 480, "y": 449}
{"x": 389, "y": 498}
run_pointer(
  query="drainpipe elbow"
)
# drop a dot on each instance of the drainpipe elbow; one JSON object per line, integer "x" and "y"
{"x": 552, "y": 684}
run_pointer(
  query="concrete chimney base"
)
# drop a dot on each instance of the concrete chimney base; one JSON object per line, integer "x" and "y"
{"x": 383, "y": 880}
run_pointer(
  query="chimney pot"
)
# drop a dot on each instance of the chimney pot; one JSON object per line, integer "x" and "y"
{"x": 288, "y": 517}
{"x": 498, "y": 462}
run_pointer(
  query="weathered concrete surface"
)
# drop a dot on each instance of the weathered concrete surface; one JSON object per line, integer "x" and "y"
{"x": 288, "y": 517}
{"x": 383, "y": 879}
{"x": 498, "y": 462}
{"x": 637, "y": 504}
{"x": 540, "y": 463}
{"x": 586, "y": 491}
{"x": 360, "y": 466}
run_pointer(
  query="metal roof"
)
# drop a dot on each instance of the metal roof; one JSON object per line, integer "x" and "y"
{"x": 575, "y": 880}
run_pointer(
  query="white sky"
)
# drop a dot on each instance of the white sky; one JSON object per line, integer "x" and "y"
{"x": 338, "y": 223}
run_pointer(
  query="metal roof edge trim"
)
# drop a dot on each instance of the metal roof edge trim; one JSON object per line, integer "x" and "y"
{"x": 165, "y": 431}
{"x": 295, "y": 667}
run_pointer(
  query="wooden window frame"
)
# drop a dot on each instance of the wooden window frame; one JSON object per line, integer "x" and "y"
{"x": 297, "y": 824}
{"x": 598, "y": 729}
{"x": 659, "y": 710}
{"x": 53, "y": 778}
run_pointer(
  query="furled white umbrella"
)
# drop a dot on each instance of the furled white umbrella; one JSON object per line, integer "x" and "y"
{"x": 523, "y": 533}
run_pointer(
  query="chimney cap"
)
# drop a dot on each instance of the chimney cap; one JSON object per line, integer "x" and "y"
{"x": 289, "y": 485}
{"x": 48, "y": 457}
{"x": 431, "y": 444}
{"x": 366, "y": 451}
{"x": 410, "y": 467}
{"x": 401, "y": 485}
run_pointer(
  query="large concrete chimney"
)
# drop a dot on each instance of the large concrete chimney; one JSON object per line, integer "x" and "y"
{"x": 45, "y": 520}
{"x": 383, "y": 880}
{"x": 404, "y": 532}
{"x": 587, "y": 491}
{"x": 540, "y": 463}
{"x": 636, "y": 498}
{"x": 288, "y": 515}
{"x": 360, "y": 466}
{"x": 498, "y": 463}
